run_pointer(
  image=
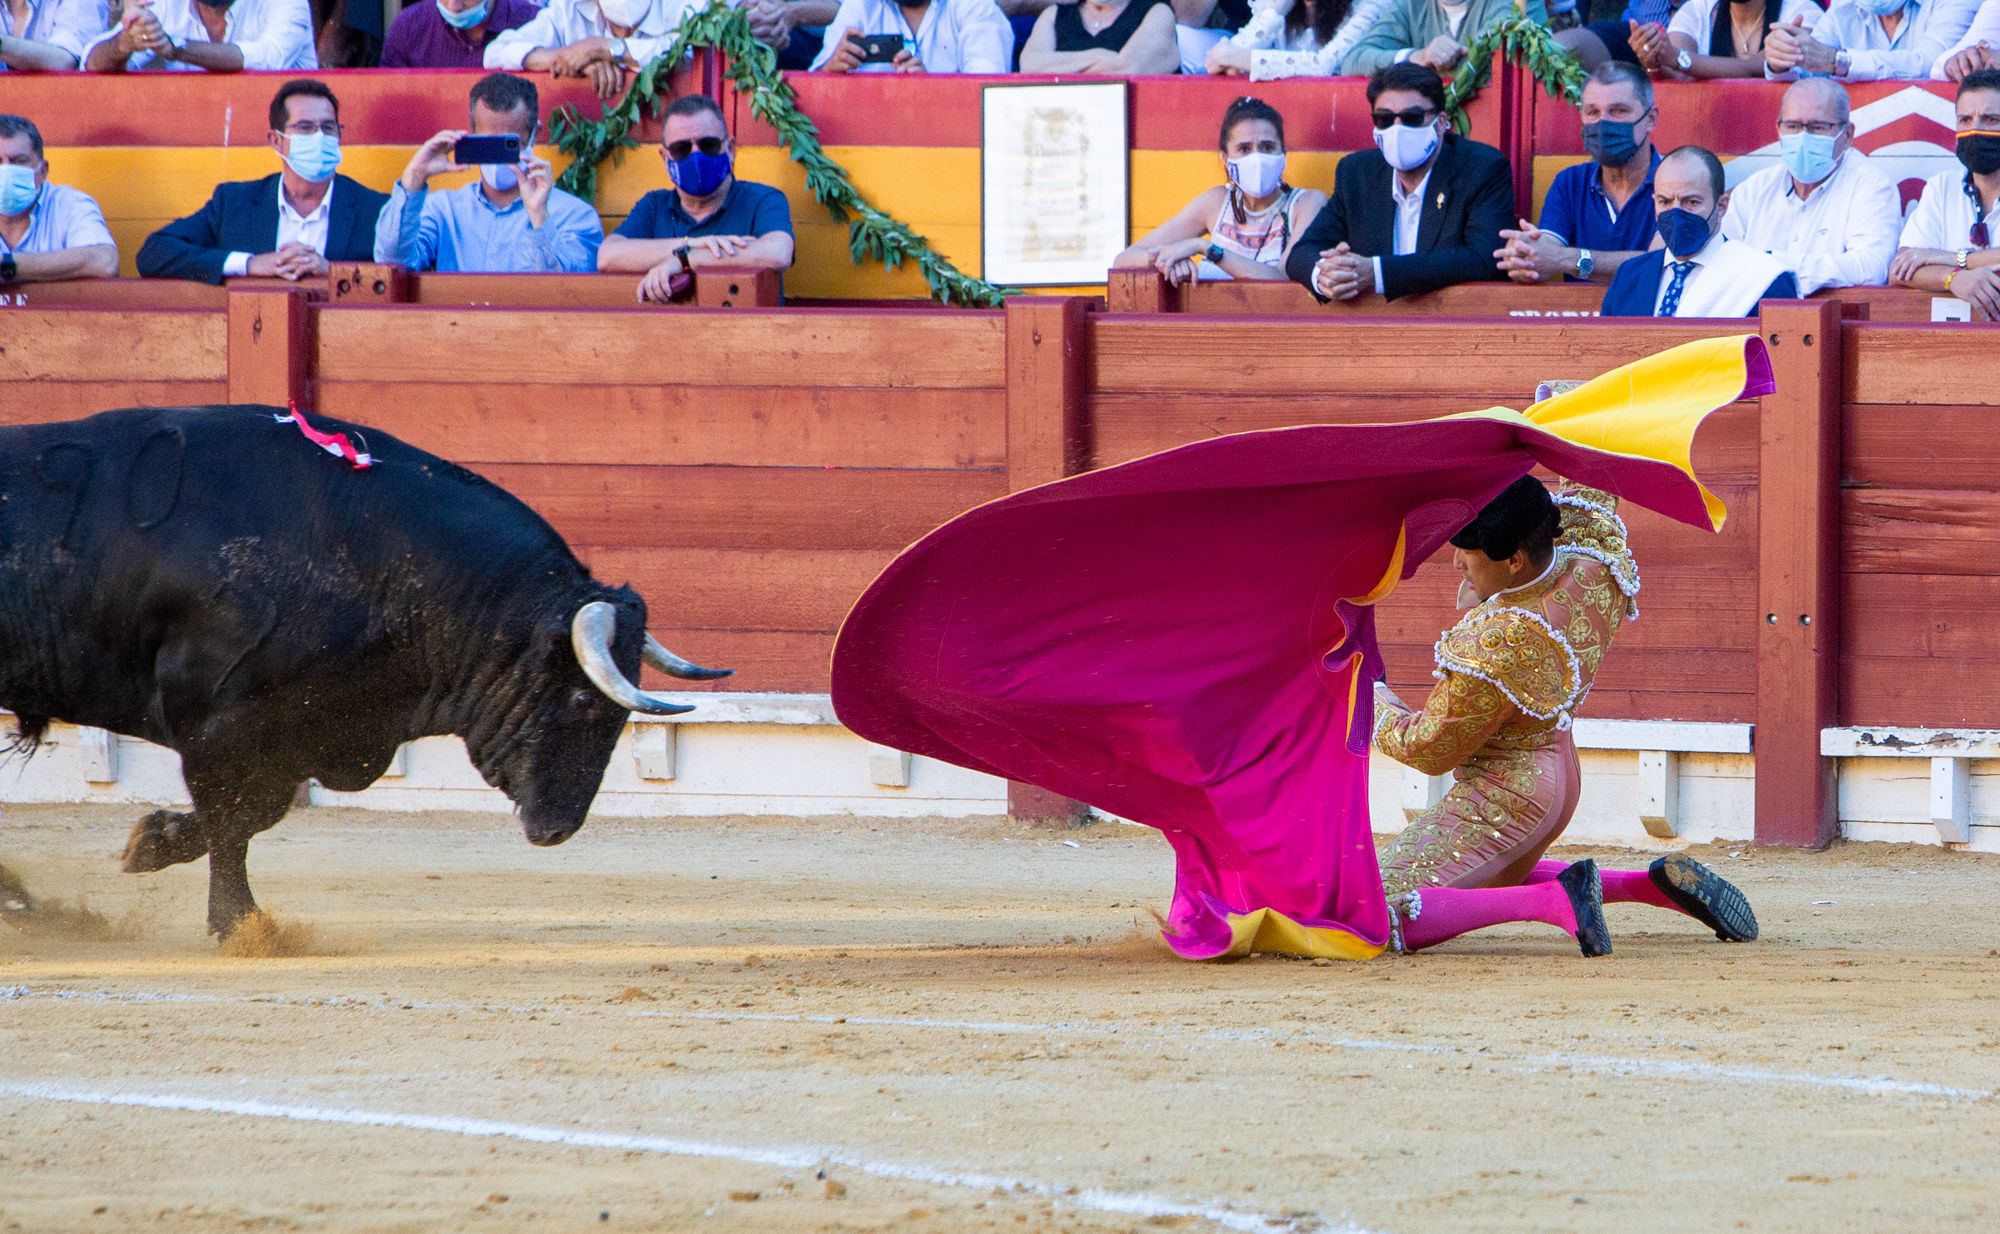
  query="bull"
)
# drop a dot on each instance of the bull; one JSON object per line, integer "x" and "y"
{"x": 211, "y": 580}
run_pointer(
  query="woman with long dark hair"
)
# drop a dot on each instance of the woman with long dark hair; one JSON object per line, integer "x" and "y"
{"x": 1295, "y": 38}
{"x": 1716, "y": 38}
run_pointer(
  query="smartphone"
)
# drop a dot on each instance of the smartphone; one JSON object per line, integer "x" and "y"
{"x": 879, "y": 48}
{"x": 502, "y": 148}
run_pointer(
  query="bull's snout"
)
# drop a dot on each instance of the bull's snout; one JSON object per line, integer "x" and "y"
{"x": 549, "y": 837}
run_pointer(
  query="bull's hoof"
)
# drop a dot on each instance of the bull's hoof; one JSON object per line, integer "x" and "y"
{"x": 15, "y": 902}
{"x": 161, "y": 839}
{"x": 222, "y": 925}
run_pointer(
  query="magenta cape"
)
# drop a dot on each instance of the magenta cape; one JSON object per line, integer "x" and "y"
{"x": 1186, "y": 640}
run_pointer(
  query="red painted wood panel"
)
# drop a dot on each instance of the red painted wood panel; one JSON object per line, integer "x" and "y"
{"x": 1920, "y": 447}
{"x": 37, "y": 402}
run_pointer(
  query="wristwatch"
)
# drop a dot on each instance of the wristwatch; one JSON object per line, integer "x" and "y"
{"x": 174, "y": 47}
{"x": 8, "y": 270}
{"x": 1963, "y": 256}
{"x": 1585, "y": 263}
{"x": 1842, "y": 63}
{"x": 687, "y": 267}
{"x": 1683, "y": 61}
{"x": 1214, "y": 254}
{"x": 617, "y": 48}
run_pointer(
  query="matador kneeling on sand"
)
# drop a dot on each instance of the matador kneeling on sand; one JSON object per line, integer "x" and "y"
{"x": 1549, "y": 579}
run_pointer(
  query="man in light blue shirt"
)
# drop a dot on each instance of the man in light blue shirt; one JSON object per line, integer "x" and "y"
{"x": 47, "y": 231}
{"x": 1867, "y": 40}
{"x": 49, "y": 35}
{"x": 513, "y": 220}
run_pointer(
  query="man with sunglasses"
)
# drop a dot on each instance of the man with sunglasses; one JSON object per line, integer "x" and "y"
{"x": 709, "y": 217}
{"x": 289, "y": 224}
{"x": 512, "y": 220}
{"x": 1421, "y": 211}
{"x": 1949, "y": 241}
{"x": 1824, "y": 211}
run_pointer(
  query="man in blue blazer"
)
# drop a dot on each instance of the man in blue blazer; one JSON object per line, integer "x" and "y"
{"x": 1697, "y": 271}
{"x": 1422, "y": 210}
{"x": 288, "y": 225}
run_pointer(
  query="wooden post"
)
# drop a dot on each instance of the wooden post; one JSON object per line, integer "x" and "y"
{"x": 367, "y": 282}
{"x": 1048, "y": 371}
{"x": 270, "y": 345}
{"x": 724, "y": 287}
{"x": 1141, "y": 290}
{"x": 1519, "y": 94}
{"x": 1798, "y": 561}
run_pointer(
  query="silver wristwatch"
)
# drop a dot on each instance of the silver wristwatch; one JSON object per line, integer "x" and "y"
{"x": 617, "y": 48}
{"x": 1683, "y": 61}
{"x": 1585, "y": 263}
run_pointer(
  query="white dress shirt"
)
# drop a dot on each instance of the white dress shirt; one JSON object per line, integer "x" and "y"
{"x": 565, "y": 22}
{"x": 1697, "y": 17}
{"x": 955, "y": 36}
{"x": 1943, "y": 216}
{"x": 307, "y": 229}
{"x": 271, "y": 34}
{"x": 1409, "y": 220}
{"x": 1727, "y": 280}
{"x": 1841, "y": 236}
{"x": 72, "y": 25}
{"x": 1985, "y": 28}
{"x": 1873, "y": 54}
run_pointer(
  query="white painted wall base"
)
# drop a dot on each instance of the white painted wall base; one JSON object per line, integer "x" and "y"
{"x": 785, "y": 755}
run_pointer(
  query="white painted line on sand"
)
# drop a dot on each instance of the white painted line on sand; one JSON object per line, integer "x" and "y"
{"x": 1091, "y": 1199}
{"x": 1597, "y": 1064}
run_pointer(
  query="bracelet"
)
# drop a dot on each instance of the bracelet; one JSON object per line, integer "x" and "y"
{"x": 1948, "y": 278}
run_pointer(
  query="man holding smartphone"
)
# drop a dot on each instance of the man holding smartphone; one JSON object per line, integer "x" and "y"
{"x": 709, "y": 217}
{"x": 512, "y": 220}
{"x": 932, "y": 36}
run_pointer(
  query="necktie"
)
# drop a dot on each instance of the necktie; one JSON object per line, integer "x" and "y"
{"x": 1672, "y": 301}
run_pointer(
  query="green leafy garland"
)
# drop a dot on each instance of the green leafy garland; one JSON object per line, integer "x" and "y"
{"x": 753, "y": 69}
{"x": 1522, "y": 41}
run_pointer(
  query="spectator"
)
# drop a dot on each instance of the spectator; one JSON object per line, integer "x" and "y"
{"x": 512, "y": 220}
{"x": 1712, "y": 276}
{"x": 1949, "y": 242}
{"x": 1825, "y": 212}
{"x": 1602, "y": 42}
{"x": 1597, "y": 215}
{"x": 1430, "y": 33}
{"x": 1295, "y": 38}
{"x": 1867, "y": 40}
{"x": 709, "y": 217}
{"x": 451, "y": 34}
{"x": 1091, "y": 36}
{"x": 47, "y": 231}
{"x": 1246, "y": 227}
{"x": 287, "y": 225}
{"x": 597, "y": 39}
{"x": 49, "y": 35}
{"x": 1715, "y": 38}
{"x": 194, "y": 35}
{"x": 1422, "y": 210}
{"x": 939, "y": 36}
{"x": 1978, "y": 48}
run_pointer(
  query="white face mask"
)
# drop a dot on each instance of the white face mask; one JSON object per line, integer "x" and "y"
{"x": 1406, "y": 148}
{"x": 625, "y": 13}
{"x": 1258, "y": 175}
{"x": 499, "y": 177}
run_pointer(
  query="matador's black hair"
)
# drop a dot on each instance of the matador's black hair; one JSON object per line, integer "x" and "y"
{"x": 1523, "y": 516}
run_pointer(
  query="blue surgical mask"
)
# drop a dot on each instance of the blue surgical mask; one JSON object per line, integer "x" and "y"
{"x": 500, "y": 177}
{"x": 1684, "y": 232}
{"x": 18, "y": 189}
{"x": 1808, "y": 156}
{"x": 1880, "y": 8}
{"x": 313, "y": 155}
{"x": 466, "y": 20}
{"x": 700, "y": 174}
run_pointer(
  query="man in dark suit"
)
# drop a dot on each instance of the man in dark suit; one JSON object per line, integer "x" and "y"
{"x": 1422, "y": 210}
{"x": 288, "y": 225}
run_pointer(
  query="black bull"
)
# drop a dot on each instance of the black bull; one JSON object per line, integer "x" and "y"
{"x": 207, "y": 579}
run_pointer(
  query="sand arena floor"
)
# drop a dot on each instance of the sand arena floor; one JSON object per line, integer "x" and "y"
{"x": 786, "y": 1025}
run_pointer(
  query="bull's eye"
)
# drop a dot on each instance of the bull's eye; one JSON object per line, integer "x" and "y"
{"x": 581, "y": 699}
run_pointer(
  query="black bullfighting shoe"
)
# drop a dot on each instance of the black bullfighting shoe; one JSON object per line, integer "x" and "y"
{"x": 15, "y": 902}
{"x": 1705, "y": 896}
{"x": 1586, "y": 896}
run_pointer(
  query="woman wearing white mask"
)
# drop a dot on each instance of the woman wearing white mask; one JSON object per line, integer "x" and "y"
{"x": 1244, "y": 227}
{"x": 598, "y": 39}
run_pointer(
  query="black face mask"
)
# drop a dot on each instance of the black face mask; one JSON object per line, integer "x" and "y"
{"x": 1980, "y": 152}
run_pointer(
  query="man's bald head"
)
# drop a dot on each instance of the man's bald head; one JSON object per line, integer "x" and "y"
{"x": 1691, "y": 162}
{"x": 1815, "y": 99}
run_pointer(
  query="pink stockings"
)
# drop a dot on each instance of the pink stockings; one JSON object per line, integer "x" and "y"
{"x": 1620, "y": 886}
{"x": 1447, "y": 912}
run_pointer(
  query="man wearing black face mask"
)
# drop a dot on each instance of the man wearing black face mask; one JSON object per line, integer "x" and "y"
{"x": 1598, "y": 214}
{"x": 1949, "y": 243}
{"x": 1697, "y": 272}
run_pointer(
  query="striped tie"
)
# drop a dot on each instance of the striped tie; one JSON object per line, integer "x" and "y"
{"x": 1672, "y": 301}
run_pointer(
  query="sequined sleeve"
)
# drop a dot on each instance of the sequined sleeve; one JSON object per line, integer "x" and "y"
{"x": 1461, "y": 714}
{"x": 1591, "y": 528}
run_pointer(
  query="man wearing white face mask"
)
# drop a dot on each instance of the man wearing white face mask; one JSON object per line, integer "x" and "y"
{"x": 287, "y": 225}
{"x": 1421, "y": 211}
{"x": 451, "y": 34}
{"x": 1825, "y": 212}
{"x": 512, "y": 220}
{"x": 48, "y": 232}
{"x": 1867, "y": 40}
{"x": 598, "y": 39}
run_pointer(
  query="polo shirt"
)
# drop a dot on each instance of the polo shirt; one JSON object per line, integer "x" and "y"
{"x": 420, "y": 39}
{"x": 61, "y": 218}
{"x": 749, "y": 209}
{"x": 1578, "y": 213}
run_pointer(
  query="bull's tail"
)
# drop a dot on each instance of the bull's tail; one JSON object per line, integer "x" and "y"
{"x": 28, "y": 734}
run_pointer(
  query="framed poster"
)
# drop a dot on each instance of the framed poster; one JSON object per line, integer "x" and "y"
{"x": 1055, "y": 182}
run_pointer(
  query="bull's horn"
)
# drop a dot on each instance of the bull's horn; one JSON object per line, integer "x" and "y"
{"x": 590, "y": 633}
{"x": 673, "y": 666}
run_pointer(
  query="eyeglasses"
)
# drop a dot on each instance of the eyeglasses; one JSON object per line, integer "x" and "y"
{"x": 678, "y": 150}
{"x": 305, "y": 128}
{"x": 1818, "y": 128}
{"x": 1414, "y": 117}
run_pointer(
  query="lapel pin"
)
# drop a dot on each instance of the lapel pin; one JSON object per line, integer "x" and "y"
{"x": 1440, "y": 201}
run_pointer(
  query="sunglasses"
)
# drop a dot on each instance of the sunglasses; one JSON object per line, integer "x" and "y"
{"x": 678, "y": 150}
{"x": 1415, "y": 117}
